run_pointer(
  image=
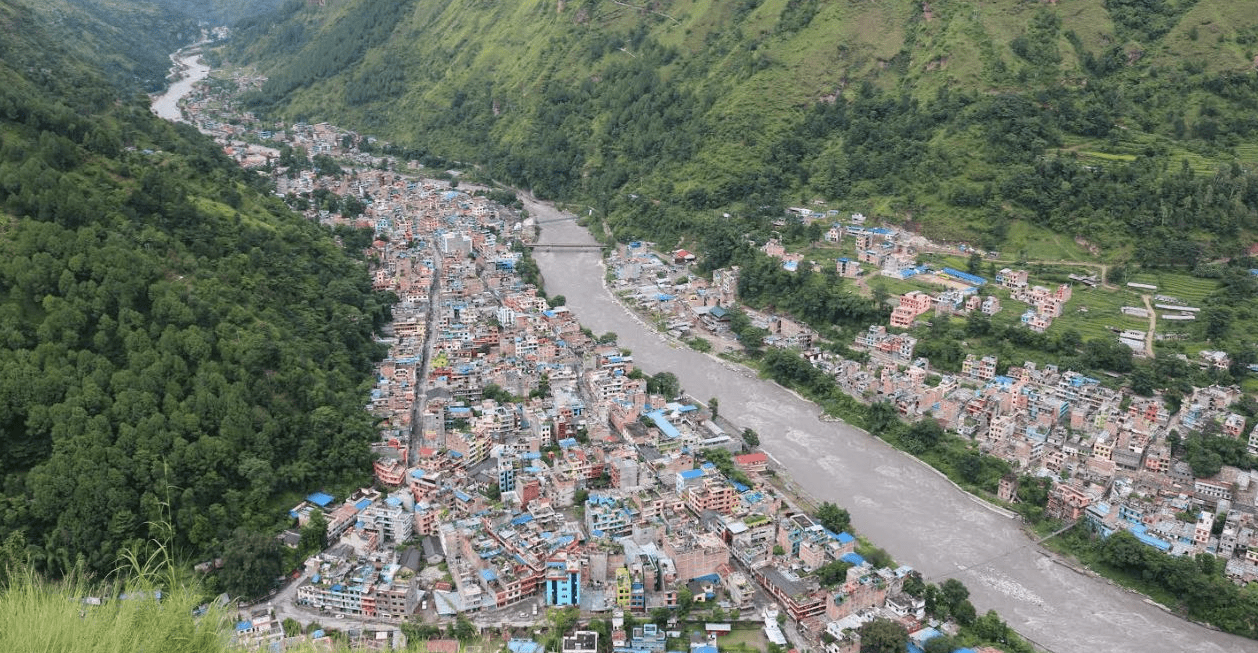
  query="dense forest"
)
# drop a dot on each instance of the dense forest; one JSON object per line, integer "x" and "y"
{"x": 1126, "y": 123}
{"x": 178, "y": 347}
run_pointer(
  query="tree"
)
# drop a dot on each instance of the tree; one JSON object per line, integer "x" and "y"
{"x": 685, "y": 600}
{"x": 939, "y": 644}
{"x": 713, "y": 405}
{"x": 833, "y": 517}
{"x": 913, "y": 584}
{"x": 990, "y": 628}
{"x": 292, "y": 627}
{"x": 314, "y": 535}
{"x": 464, "y": 630}
{"x": 881, "y": 416}
{"x": 660, "y": 616}
{"x": 664, "y": 384}
{"x": 974, "y": 264}
{"x": 558, "y": 300}
{"x": 750, "y": 438}
{"x": 778, "y": 550}
{"x": 251, "y": 562}
{"x": 923, "y": 436}
{"x": 883, "y": 636}
{"x": 833, "y": 573}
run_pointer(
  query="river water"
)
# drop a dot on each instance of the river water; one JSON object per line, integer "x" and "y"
{"x": 900, "y": 504}
{"x": 190, "y": 69}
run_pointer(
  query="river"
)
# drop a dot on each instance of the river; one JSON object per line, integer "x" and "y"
{"x": 902, "y": 505}
{"x": 190, "y": 69}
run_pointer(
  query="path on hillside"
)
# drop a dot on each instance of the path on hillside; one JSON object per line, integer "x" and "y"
{"x": 903, "y": 506}
{"x": 1153, "y": 323}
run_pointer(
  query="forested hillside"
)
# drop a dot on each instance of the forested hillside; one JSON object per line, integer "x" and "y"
{"x": 129, "y": 41}
{"x": 1127, "y": 123}
{"x": 175, "y": 345}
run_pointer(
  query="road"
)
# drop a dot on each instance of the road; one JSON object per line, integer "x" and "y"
{"x": 430, "y": 328}
{"x": 1153, "y": 324}
{"x": 905, "y": 507}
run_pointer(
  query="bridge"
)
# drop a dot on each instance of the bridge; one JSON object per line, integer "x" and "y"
{"x": 565, "y": 246}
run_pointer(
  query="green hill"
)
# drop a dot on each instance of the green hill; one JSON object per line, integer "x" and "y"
{"x": 175, "y": 345}
{"x": 129, "y": 41}
{"x": 1115, "y": 121}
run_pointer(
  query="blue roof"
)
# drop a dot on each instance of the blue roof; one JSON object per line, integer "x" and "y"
{"x": 739, "y": 487}
{"x": 691, "y": 473}
{"x": 965, "y": 276}
{"x": 523, "y": 646}
{"x": 243, "y": 625}
{"x": 417, "y": 473}
{"x": 362, "y": 503}
{"x": 456, "y": 454}
{"x": 320, "y": 499}
{"x": 663, "y": 425}
{"x": 843, "y": 538}
{"x": 393, "y": 501}
{"x": 853, "y": 558}
{"x": 317, "y": 634}
{"x": 488, "y": 575}
{"x": 1140, "y": 532}
{"x": 462, "y": 496}
{"x": 522, "y": 519}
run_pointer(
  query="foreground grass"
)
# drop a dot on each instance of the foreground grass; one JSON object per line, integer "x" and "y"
{"x": 40, "y": 615}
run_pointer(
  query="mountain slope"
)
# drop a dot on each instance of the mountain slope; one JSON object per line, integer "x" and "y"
{"x": 127, "y": 40}
{"x": 954, "y": 116}
{"x": 178, "y": 347}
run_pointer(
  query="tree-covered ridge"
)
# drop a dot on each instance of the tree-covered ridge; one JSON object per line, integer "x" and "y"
{"x": 126, "y": 40}
{"x": 963, "y": 119}
{"x": 171, "y": 334}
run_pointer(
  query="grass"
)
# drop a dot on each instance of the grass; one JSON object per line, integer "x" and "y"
{"x": 744, "y": 639}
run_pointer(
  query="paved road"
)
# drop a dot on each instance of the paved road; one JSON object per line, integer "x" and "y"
{"x": 904, "y": 506}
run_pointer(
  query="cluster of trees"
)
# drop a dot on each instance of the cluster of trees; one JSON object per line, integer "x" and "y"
{"x": 1196, "y": 582}
{"x": 821, "y": 299}
{"x": 178, "y": 348}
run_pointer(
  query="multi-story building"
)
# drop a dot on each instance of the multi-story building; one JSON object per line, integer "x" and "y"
{"x": 563, "y": 582}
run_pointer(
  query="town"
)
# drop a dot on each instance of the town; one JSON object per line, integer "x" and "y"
{"x": 525, "y": 463}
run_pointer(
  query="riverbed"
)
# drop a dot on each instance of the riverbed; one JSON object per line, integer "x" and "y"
{"x": 188, "y": 69}
{"x": 902, "y": 505}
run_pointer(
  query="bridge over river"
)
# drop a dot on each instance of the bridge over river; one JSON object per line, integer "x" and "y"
{"x": 902, "y": 505}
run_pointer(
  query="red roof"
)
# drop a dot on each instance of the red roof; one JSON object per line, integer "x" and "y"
{"x": 442, "y": 646}
{"x": 752, "y": 458}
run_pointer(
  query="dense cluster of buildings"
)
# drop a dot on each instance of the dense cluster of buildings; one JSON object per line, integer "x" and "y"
{"x": 1106, "y": 451}
{"x": 521, "y": 462}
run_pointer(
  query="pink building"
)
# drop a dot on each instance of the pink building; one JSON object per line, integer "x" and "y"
{"x": 912, "y": 304}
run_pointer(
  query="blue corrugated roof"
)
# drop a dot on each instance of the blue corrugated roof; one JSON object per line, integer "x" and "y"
{"x": 362, "y": 503}
{"x": 489, "y": 575}
{"x": 691, "y": 473}
{"x": 965, "y": 276}
{"x": 853, "y": 558}
{"x": 662, "y": 424}
{"x": 522, "y": 519}
{"x": 417, "y": 473}
{"x": 320, "y": 499}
